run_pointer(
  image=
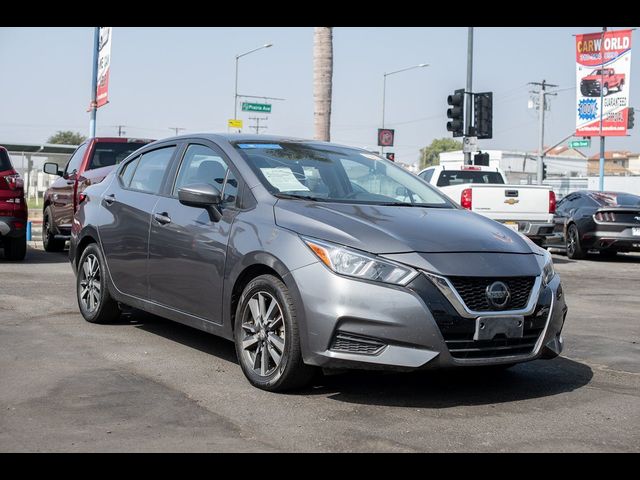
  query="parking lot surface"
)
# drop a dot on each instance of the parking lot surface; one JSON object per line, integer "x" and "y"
{"x": 147, "y": 384}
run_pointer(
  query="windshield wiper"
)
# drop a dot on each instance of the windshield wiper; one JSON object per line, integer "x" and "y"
{"x": 296, "y": 197}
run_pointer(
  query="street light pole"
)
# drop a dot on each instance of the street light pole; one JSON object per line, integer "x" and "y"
{"x": 235, "y": 97}
{"x": 384, "y": 88}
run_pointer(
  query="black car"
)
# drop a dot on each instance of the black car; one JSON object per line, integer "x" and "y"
{"x": 591, "y": 220}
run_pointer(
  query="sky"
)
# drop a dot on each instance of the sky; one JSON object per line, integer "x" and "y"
{"x": 184, "y": 77}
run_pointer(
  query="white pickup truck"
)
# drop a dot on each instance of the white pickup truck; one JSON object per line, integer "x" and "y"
{"x": 527, "y": 209}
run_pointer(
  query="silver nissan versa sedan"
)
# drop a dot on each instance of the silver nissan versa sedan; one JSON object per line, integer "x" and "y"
{"x": 309, "y": 254}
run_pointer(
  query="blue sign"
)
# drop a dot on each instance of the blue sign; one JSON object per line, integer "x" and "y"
{"x": 588, "y": 109}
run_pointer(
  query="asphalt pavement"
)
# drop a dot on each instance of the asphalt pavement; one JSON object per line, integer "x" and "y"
{"x": 147, "y": 384}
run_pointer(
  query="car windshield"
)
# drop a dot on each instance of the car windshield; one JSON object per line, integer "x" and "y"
{"x": 106, "y": 154}
{"x": 329, "y": 173}
{"x": 459, "y": 177}
{"x": 607, "y": 199}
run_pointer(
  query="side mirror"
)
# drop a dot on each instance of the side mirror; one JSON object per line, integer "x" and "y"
{"x": 52, "y": 169}
{"x": 202, "y": 195}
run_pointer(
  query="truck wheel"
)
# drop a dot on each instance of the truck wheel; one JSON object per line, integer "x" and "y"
{"x": 15, "y": 248}
{"x": 574, "y": 249}
{"x": 620, "y": 86}
{"x": 605, "y": 90}
{"x": 49, "y": 242}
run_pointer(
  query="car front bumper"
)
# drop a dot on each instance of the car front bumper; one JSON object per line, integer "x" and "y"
{"x": 347, "y": 323}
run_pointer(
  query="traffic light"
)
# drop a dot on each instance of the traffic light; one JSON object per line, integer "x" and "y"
{"x": 391, "y": 156}
{"x": 481, "y": 159}
{"x": 456, "y": 113}
{"x": 630, "y": 119}
{"x": 544, "y": 171}
{"x": 483, "y": 114}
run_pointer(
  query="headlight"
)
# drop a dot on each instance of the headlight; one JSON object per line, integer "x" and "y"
{"x": 353, "y": 263}
{"x": 548, "y": 272}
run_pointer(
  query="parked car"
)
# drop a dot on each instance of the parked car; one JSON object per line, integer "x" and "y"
{"x": 13, "y": 210}
{"x": 590, "y": 85}
{"x": 301, "y": 253}
{"x": 608, "y": 222}
{"x": 527, "y": 209}
{"x": 89, "y": 164}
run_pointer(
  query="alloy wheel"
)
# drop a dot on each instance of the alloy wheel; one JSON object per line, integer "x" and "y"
{"x": 263, "y": 334}
{"x": 90, "y": 289}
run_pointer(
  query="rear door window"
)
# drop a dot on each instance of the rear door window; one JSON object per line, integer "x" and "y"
{"x": 151, "y": 169}
{"x": 127, "y": 172}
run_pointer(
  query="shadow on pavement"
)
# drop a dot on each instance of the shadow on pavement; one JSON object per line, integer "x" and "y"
{"x": 35, "y": 255}
{"x": 188, "y": 336}
{"x": 446, "y": 389}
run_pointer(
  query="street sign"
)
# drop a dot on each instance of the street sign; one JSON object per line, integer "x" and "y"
{"x": 256, "y": 107}
{"x": 385, "y": 137}
{"x": 235, "y": 123}
{"x": 586, "y": 143}
{"x": 470, "y": 144}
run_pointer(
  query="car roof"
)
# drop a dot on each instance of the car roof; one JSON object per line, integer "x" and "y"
{"x": 253, "y": 138}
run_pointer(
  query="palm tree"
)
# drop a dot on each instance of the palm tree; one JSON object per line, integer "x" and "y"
{"x": 322, "y": 81}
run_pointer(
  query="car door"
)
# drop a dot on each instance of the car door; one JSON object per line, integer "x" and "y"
{"x": 62, "y": 190}
{"x": 127, "y": 205}
{"x": 187, "y": 250}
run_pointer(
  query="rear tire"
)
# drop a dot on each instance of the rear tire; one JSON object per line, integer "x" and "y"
{"x": 49, "y": 242}
{"x": 574, "y": 248}
{"x": 15, "y": 248}
{"x": 95, "y": 301}
{"x": 267, "y": 337}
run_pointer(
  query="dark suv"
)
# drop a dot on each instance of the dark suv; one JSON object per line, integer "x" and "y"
{"x": 89, "y": 164}
{"x": 13, "y": 210}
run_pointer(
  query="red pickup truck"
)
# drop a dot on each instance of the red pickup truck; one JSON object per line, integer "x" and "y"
{"x": 90, "y": 163}
{"x": 590, "y": 85}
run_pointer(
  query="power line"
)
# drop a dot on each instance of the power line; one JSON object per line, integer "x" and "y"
{"x": 257, "y": 125}
{"x": 176, "y": 129}
{"x": 120, "y": 130}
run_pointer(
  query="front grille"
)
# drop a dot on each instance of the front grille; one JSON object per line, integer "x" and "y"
{"x": 350, "y": 343}
{"x": 473, "y": 291}
{"x": 458, "y": 335}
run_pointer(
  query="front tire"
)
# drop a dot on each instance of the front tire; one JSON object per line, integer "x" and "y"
{"x": 605, "y": 90}
{"x": 49, "y": 242}
{"x": 574, "y": 248}
{"x": 15, "y": 248}
{"x": 95, "y": 301}
{"x": 267, "y": 337}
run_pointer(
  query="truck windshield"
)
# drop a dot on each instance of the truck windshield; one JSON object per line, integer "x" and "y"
{"x": 329, "y": 173}
{"x": 459, "y": 177}
{"x": 106, "y": 154}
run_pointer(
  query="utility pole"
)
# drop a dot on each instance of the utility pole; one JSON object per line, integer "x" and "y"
{"x": 468, "y": 96}
{"x": 542, "y": 94}
{"x": 257, "y": 126}
{"x": 93, "y": 107}
{"x": 176, "y": 129}
{"x": 120, "y": 130}
{"x": 601, "y": 172}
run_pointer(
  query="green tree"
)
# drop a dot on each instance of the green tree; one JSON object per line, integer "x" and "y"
{"x": 430, "y": 155}
{"x": 67, "y": 137}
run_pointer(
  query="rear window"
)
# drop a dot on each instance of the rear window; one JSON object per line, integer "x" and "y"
{"x": 606, "y": 199}
{"x": 106, "y": 154}
{"x": 455, "y": 177}
{"x": 5, "y": 163}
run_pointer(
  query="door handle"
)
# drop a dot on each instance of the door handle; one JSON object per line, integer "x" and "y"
{"x": 109, "y": 199}
{"x": 162, "y": 218}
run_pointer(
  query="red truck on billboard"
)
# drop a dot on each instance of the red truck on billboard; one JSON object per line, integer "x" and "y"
{"x": 590, "y": 85}
{"x": 90, "y": 163}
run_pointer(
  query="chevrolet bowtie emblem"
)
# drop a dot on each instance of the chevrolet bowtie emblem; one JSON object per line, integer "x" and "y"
{"x": 511, "y": 201}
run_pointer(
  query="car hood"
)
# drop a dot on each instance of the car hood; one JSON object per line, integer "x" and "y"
{"x": 387, "y": 229}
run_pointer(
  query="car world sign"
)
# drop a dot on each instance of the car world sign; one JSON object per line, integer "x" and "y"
{"x": 104, "y": 62}
{"x": 603, "y": 67}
